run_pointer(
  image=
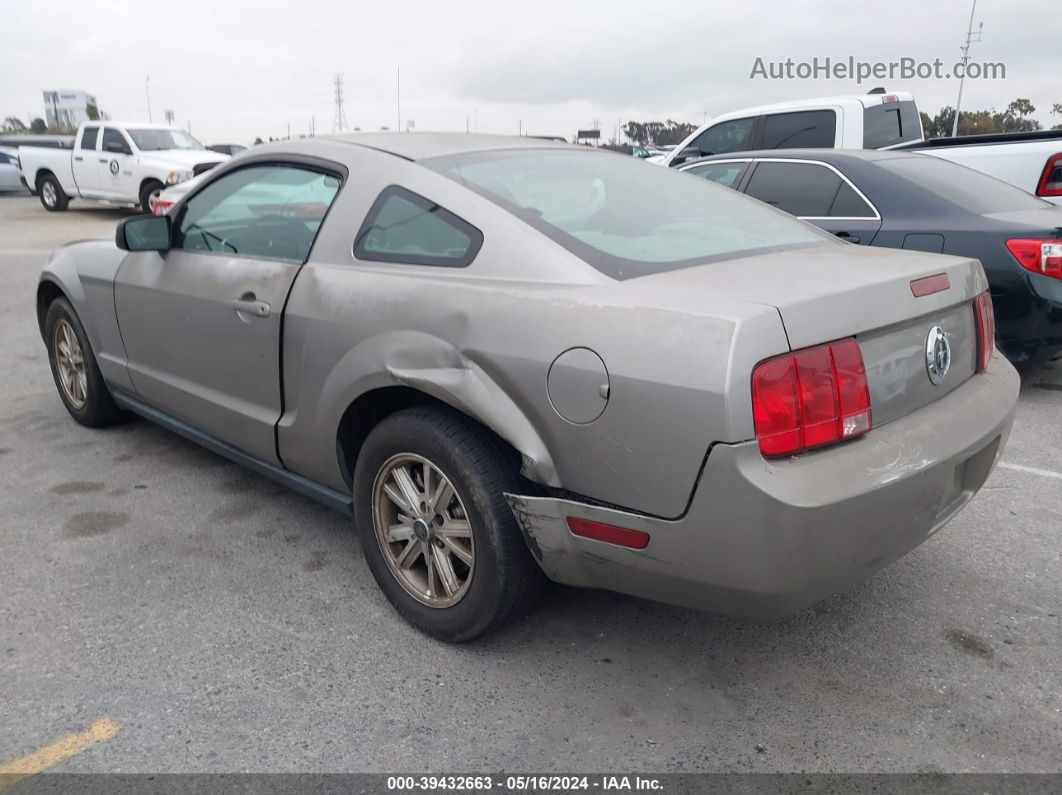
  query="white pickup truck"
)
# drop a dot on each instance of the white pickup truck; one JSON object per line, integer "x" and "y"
{"x": 878, "y": 120}
{"x": 123, "y": 165}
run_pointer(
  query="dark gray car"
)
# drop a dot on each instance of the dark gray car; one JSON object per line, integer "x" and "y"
{"x": 508, "y": 358}
{"x": 916, "y": 202}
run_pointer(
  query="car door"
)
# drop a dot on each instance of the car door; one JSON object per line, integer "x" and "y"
{"x": 201, "y": 322}
{"x": 818, "y": 193}
{"x": 8, "y": 173}
{"x": 85, "y": 162}
{"x": 114, "y": 168}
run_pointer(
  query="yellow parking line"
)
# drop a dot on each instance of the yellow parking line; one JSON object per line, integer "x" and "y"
{"x": 31, "y": 764}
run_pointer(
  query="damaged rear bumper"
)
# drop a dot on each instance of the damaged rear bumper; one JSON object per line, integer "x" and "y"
{"x": 765, "y": 538}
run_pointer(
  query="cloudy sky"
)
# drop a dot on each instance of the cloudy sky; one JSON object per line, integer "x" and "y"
{"x": 236, "y": 69}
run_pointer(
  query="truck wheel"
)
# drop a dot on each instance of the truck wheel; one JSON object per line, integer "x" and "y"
{"x": 52, "y": 195}
{"x": 436, "y": 529}
{"x": 77, "y": 376}
{"x": 149, "y": 193}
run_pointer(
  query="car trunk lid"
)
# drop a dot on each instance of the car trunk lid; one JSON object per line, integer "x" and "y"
{"x": 831, "y": 292}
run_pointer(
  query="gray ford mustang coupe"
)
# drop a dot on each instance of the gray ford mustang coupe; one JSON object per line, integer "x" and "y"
{"x": 510, "y": 359}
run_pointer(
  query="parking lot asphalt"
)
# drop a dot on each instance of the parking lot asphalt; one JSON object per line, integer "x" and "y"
{"x": 210, "y": 620}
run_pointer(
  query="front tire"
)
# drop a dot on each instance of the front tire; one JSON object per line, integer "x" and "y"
{"x": 436, "y": 529}
{"x": 149, "y": 192}
{"x": 53, "y": 197}
{"x": 77, "y": 376}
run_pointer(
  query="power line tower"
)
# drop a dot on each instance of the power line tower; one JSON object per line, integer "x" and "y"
{"x": 971, "y": 38}
{"x": 339, "y": 122}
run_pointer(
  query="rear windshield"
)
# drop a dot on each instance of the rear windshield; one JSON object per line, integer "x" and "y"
{"x": 890, "y": 123}
{"x": 625, "y": 217}
{"x": 971, "y": 190}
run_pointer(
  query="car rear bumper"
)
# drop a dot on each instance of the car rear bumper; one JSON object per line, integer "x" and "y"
{"x": 764, "y": 538}
{"x": 1029, "y": 318}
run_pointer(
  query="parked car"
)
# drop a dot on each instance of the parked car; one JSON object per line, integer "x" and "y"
{"x": 902, "y": 199}
{"x": 174, "y": 193}
{"x": 227, "y": 149}
{"x": 123, "y": 165}
{"x": 508, "y": 358}
{"x": 10, "y": 178}
{"x": 1030, "y": 161}
{"x": 878, "y": 120}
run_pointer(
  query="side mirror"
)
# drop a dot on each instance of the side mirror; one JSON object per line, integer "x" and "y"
{"x": 689, "y": 153}
{"x": 143, "y": 233}
{"x": 118, "y": 148}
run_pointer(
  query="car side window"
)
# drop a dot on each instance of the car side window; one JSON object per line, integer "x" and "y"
{"x": 271, "y": 211}
{"x": 88, "y": 138}
{"x": 727, "y": 136}
{"x": 406, "y": 228}
{"x": 802, "y": 130}
{"x": 725, "y": 174}
{"x": 114, "y": 141}
{"x": 849, "y": 204}
{"x": 806, "y": 190}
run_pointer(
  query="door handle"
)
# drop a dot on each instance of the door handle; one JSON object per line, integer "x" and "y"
{"x": 848, "y": 237}
{"x": 103, "y": 160}
{"x": 79, "y": 158}
{"x": 250, "y": 305}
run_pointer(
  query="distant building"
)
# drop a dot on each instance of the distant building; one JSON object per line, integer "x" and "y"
{"x": 65, "y": 108}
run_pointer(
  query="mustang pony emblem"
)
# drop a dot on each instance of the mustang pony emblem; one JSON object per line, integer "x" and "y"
{"x": 938, "y": 355}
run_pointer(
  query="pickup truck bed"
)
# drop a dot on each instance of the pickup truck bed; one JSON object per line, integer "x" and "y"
{"x": 1030, "y": 161}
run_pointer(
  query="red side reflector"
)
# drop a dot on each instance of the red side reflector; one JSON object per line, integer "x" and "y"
{"x": 162, "y": 206}
{"x": 810, "y": 398}
{"x": 609, "y": 533}
{"x": 986, "y": 329}
{"x": 1051, "y": 180}
{"x": 937, "y": 283}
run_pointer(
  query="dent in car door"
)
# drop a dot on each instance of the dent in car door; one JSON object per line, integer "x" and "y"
{"x": 201, "y": 323}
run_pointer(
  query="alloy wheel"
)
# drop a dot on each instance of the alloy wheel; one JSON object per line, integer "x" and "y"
{"x": 423, "y": 529}
{"x": 70, "y": 364}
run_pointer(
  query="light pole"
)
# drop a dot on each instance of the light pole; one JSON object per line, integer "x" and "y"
{"x": 965, "y": 60}
{"x": 147, "y": 90}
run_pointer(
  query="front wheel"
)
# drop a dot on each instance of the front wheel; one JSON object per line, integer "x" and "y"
{"x": 51, "y": 193}
{"x": 77, "y": 376}
{"x": 149, "y": 194}
{"x": 436, "y": 529}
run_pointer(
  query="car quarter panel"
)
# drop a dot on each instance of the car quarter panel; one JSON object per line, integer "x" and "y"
{"x": 483, "y": 338}
{"x": 84, "y": 271}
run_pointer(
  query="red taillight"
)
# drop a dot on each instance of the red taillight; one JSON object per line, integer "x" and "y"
{"x": 810, "y": 398}
{"x": 1038, "y": 256}
{"x": 1051, "y": 179}
{"x": 609, "y": 533}
{"x": 986, "y": 330}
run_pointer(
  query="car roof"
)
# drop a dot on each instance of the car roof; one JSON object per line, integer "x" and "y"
{"x": 866, "y": 100}
{"x": 833, "y": 156}
{"x": 420, "y": 146}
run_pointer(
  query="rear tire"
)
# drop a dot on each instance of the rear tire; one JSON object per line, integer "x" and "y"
{"x": 491, "y": 578}
{"x": 77, "y": 376}
{"x": 53, "y": 197}
{"x": 150, "y": 190}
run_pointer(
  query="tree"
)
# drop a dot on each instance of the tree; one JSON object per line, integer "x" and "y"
{"x": 1056, "y": 110}
{"x": 13, "y": 124}
{"x": 38, "y": 127}
{"x": 657, "y": 133}
{"x": 1016, "y": 118}
{"x": 258, "y": 140}
{"x": 92, "y": 112}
